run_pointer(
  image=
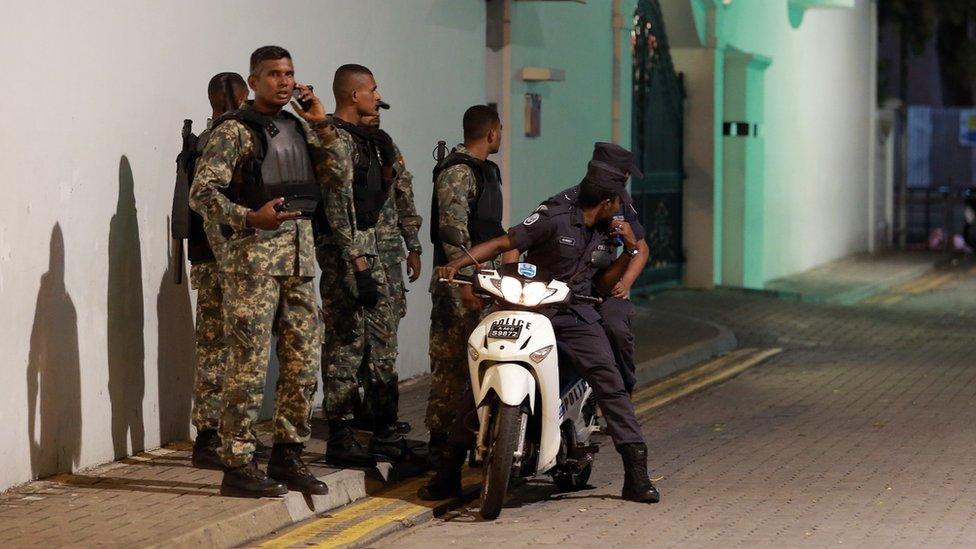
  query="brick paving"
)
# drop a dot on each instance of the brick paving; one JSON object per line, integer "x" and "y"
{"x": 861, "y": 433}
{"x": 158, "y": 498}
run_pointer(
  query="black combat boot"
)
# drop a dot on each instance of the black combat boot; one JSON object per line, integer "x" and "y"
{"x": 206, "y": 450}
{"x": 387, "y": 443}
{"x": 249, "y": 480}
{"x": 435, "y": 449}
{"x": 261, "y": 450}
{"x": 343, "y": 450}
{"x": 286, "y": 465}
{"x": 446, "y": 482}
{"x": 637, "y": 485}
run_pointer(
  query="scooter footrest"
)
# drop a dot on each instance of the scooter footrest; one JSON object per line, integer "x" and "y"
{"x": 586, "y": 449}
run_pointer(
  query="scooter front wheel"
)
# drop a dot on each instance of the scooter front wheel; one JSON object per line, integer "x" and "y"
{"x": 502, "y": 440}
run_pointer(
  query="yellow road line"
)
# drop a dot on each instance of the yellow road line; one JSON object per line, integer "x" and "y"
{"x": 922, "y": 284}
{"x": 364, "y": 516}
{"x": 683, "y": 377}
{"x": 745, "y": 363}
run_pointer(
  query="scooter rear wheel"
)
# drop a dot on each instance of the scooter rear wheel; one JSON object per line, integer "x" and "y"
{"x": 503, "y": 438}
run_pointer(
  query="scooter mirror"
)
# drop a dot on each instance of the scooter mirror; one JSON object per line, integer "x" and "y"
{"x": 452, "y": 236}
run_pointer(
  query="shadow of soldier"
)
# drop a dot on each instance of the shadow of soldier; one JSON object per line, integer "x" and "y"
{"x": 176, "y": 355}
{"x": 126, "y": 347}
{"x": 54, "y": 373}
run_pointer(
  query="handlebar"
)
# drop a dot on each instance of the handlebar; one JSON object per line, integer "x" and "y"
{"x": 577, "y": 298}
{"x": 459, "y": 279}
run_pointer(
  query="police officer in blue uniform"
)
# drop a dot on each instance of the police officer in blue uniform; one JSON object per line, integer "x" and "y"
{"x": 571, "y": 242}
{"x": 617, "y": 312}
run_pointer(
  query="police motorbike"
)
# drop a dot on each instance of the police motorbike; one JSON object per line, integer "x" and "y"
{"x": 535, "y": 413}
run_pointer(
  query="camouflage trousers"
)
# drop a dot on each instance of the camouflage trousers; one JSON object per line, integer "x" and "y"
{"x": 359, "y": 344}
{"x": 392, "y": 262}
{"x": 255, "y": 306}
{"x": 210, "y": 347}
{"x": 450, "y": 326}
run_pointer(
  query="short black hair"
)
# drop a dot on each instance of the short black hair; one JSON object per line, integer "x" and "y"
{"x": 222, "y": 86}
{"x": 591, "y": 194}
{"x": 343, "y": 76}
{"x": 267, "y": 53}
{"x": 478, "y": 120}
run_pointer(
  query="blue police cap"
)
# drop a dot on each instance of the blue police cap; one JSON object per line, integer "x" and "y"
{"x": 608, "y": 177}
{"x": 616, "y": 156}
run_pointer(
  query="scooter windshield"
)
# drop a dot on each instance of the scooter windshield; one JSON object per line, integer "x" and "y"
{"x": 523, "y": 284}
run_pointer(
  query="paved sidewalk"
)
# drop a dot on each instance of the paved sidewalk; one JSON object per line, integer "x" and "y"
{"x": 157, "y": 498}
{"x": 853, "y": 279}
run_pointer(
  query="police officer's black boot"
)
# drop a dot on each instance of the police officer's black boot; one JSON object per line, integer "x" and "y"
{"x": 286, "y": 465}
{"x": 343, "y": 450}
{"x": 446, "y": 482}
{"x": 249, "y": 480}
{"x": 206, "y": 450}
{"x": 637, "y": 485}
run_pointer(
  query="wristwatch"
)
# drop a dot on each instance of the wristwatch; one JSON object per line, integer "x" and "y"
{"x": 631, "y": 253}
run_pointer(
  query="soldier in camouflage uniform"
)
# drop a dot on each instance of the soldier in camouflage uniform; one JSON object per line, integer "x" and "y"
{"x": 355, "y": 292}
{"x": 399, "y": 224}
{"x": 268, "y": 266}
{"x": 211, "y": 350}
{"x": 467, "y": 197}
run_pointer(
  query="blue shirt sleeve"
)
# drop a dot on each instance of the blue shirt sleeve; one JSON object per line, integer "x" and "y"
{"x": 536, "y": 229}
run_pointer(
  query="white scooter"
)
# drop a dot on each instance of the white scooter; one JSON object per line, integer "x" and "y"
{"x": 534, "y": 417}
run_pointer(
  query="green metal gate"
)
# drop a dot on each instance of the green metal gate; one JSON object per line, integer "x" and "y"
{"x": 658, "y": 136}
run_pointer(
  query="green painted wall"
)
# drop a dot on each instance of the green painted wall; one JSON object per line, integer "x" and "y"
{"x": 816, "y": 113}
{"x": 575, "y": 112}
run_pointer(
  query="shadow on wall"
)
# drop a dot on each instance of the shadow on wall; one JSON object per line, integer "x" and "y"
{"x": 176, "y": 362}
{"x": 54, "y": 373}
{"x": 126, "y": 348}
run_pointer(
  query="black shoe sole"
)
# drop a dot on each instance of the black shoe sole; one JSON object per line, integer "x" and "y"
{"x": 650, "y": 499}
{"x": 294, "y": 487}
{"x": 234, "y": 491}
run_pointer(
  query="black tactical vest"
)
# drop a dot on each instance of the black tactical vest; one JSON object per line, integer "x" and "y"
{"x": 280, "y": 166}
{"x": 484, "y": 212}
{"x": 198, "y": 248}
{"x": 369, "y": 191}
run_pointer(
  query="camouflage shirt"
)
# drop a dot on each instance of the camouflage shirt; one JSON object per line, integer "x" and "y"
{"x": 286, "y": 251}
{"x": 399, "y": 217}
{"x": 340, "y": 209}
{"x": 456, "y": 188}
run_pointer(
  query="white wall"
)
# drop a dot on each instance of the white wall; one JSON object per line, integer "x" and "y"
{"x": 92, "y": 103}
{"x": 818, "y": 116}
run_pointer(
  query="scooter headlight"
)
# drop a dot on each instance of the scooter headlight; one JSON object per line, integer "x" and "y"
{"x": 473, "y": 353}
{"x": 541, "y": 354}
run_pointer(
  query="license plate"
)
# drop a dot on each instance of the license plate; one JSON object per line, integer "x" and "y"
{"x": 501, "y": 329}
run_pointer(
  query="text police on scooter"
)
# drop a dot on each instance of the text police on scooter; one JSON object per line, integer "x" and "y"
{"x": 574, "y": 243}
